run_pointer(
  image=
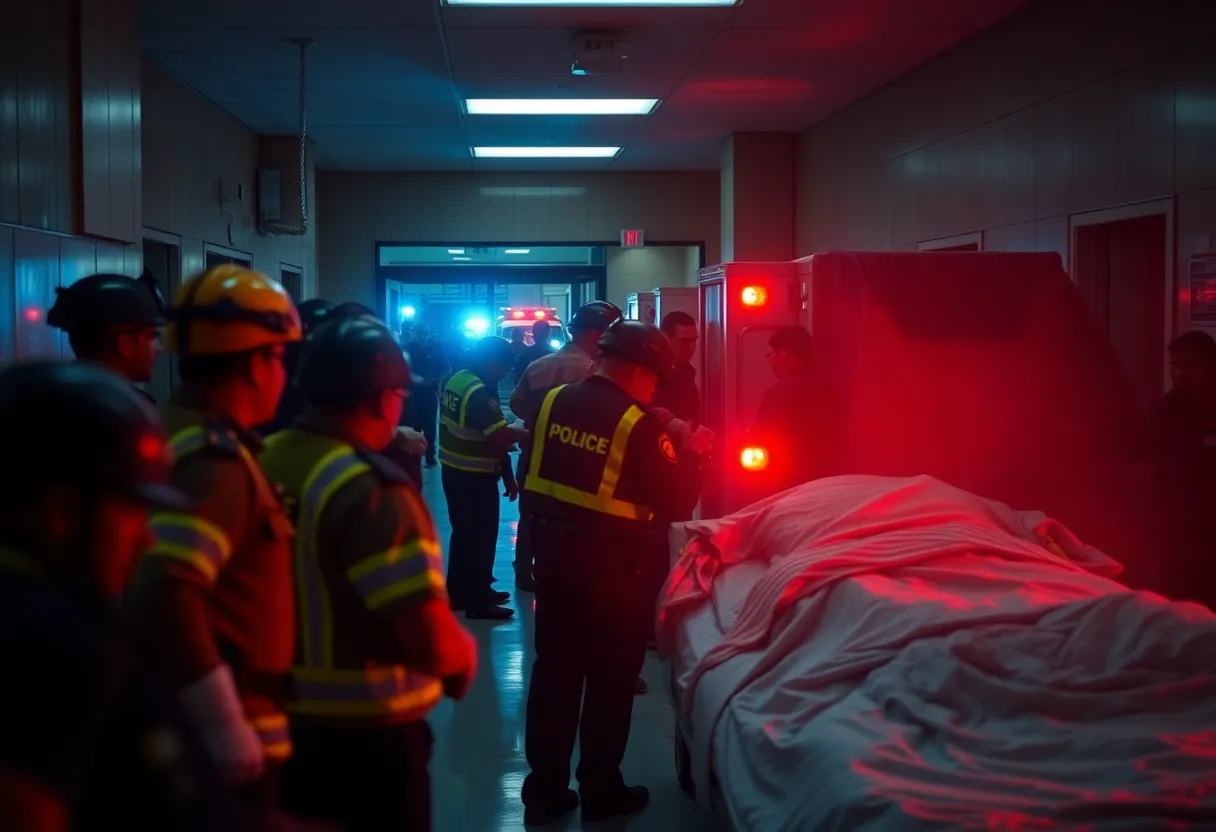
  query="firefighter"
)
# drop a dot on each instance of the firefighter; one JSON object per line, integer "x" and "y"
{"x": 114, "y": 321}
{"x": 474, "y": 440}
{"x": 89, "y": 742}
{"x": 313, "y": 313}
{"x": 213, "y": 595}
{"x": 575, "y": 361}
{"x": 604, "y": 480}
{"x": 377, "y": 644}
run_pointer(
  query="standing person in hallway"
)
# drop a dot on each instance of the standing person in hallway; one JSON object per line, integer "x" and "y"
{"x": 428, "y": 361}
{"x": 788, "y": 408}
{"x": 213, "y": 595}
{"x": 576, "y": 361}
{"x": 678, "y": 394}
{"x": 114, "y": 321}
{"x": 540, "y": 346}
{"x": 313, "y": 313}
{"x": 605, "y": 480}
{"x": 377, "y": 643}
{"x": 474, "y": 440}
{"x": 90, "y": 740}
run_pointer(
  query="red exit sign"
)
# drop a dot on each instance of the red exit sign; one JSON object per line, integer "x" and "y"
{"x": 632, "y": 239}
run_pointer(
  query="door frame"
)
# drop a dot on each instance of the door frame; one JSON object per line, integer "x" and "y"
{"x": 1133, "y": 211}
{"x": 224, "y": 251}
{"x": 975, "y": 238}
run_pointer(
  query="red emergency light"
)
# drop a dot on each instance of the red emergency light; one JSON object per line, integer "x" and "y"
{"x": 33, "y": 314}
{"x": 753, "y": 296}
{"x": 754, "y": 458}
{"x": 539, "y": 314}
{"x": 517, "y": 314}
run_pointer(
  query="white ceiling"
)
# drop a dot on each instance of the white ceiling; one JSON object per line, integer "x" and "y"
{"x": 386, "y": 76}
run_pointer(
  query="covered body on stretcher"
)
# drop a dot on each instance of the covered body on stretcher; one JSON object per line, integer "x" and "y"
{"x": 894, "y": 653}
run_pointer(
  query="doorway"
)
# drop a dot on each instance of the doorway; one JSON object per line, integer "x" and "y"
{"x": 1120, "y": 267}
{"x": 164, "y": 260}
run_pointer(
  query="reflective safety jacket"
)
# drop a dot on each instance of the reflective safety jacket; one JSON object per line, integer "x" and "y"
{"x": 468, "y": 414}
{"x": 216, "y": 585}
{"x": 366, "y": 553}
{"x": 601, "y": 459}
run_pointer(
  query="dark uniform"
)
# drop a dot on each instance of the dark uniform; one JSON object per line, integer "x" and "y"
{"x": 429, "y": 363}
{"x": 603, "y": 481}
{"x": 214, "y": 592}
{"x": 366, "y": 559}
{"x": 471, "y": 469}
{"x": 89, "y": 736}
{"x": 98, "y": 309}
{"x": 313, "y": 313}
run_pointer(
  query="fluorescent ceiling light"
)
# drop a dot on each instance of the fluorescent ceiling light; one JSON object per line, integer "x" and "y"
{"x": 560, "y": 106}
{"x": 462, "y": 258}
{"x": 516, "y": 250}
{"x": 545, "y": 152}
{"x": 455, "y": 251}
{"x": 619, "y": 3}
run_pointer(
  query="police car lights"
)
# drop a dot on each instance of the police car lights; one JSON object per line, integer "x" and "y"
{"x": 753, "y": 458}
{"x": 476, "y": 327}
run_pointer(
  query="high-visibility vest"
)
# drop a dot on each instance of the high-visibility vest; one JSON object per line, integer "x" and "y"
{"x": 346, "y": 668}
{"x": 578, "y": 459}
{"x": 461, "y": 446}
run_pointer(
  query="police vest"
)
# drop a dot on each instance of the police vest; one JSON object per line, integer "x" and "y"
{"x": 461, "y": 446}
{"x": 347, "y": 666}
{"x": 578, "y": 454}
{"x": 250, "y": 588}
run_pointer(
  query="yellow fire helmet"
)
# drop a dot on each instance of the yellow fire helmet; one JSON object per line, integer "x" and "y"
{"x": 230, "y": 309}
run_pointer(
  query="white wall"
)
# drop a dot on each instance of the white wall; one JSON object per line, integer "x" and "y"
{"x": 642, "y": 269}
{"x": 360, "y": 209}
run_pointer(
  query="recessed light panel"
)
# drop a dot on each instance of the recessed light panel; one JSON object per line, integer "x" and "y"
{"x": 560, "y": 106}
{"x": 617, "y": 3}
{"x": 516, "y": 250}
{"x": 545, "y": 152}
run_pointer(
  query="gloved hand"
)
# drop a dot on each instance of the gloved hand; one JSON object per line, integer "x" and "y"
{"x": 457, "y": 685}
{"x": 701, "y": 441}
{"x": 415, "y": 443}
{"x": 212, "y": 702}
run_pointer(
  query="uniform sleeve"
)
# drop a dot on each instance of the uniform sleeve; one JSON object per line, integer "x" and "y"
{"x": 174, "y": 577}
{"x": 483, "y": 413}
{"x": 386, "y": 544}
{"x": 672, "y": 481}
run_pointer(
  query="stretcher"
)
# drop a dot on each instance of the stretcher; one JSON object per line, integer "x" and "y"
{"x": 868, "y": 652}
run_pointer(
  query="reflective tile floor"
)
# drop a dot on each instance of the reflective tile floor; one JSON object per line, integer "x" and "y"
{"x": 479, "y": 764}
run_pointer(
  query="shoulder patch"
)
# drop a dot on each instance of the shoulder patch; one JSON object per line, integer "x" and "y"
{"x": 383, "y": 467}
{"x": 667, "y": 449}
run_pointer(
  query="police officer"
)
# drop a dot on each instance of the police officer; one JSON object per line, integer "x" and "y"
{"x": 89, "y": 742}
{"x": 604, "y": 480}
{"x": 213, "y": 595}
{"x": 378, "y": 645}
{"x": 576, "y": 361}
{"x": 114, "y": 321}
{"x": 313, "y": 313}
{"x": 474, "y": 439}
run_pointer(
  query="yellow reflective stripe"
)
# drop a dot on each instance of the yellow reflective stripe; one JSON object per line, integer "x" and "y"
{"x": 616, "y": 452}
{"x": 473, "y": 386}
{"x": 604, "y": 500}
{"x": 273, "y": 732}
{"x": 465, "y": 462}
{"x": 384, "y": 691}
{"x": 191, "y": 539}
{"x": 400, "y": 571}
{"x": 186, "y": 441}
{"x": 460, "y": 431}
{"x": 328, "y": 476}
{"x": 501, "y": 423}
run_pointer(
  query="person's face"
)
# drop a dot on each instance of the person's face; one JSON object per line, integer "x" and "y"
{"x": 780, "y": 361}
{"x": 268, "y": 372}
{"x": 496, "y": 372}
{"x": 684, "y": 343}
{"x": 1190, "y": 374}
{"x": 139, "y": 349}
{"x": 120, "y": 534}
{"x": 422, "y": 332}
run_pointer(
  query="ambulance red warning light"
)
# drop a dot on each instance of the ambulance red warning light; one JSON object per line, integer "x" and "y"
{"x": 753, "y": 296}
{"x": 753, "y": 458}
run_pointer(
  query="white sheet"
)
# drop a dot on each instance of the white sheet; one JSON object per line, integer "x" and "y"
{"x": 970, "y": 679}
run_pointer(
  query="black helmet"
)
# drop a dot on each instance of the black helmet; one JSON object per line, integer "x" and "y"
{"x": 107, "y": 301}
{"x": 348, "y": 359}
{"x": 315, "y": 312}
{"x": 597, "y": 315}
{"x": 639, "y": 343}
{"x": 350, "y": 309}
{"x": 493, "y": 349}
{"x": 91, "y": 428}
